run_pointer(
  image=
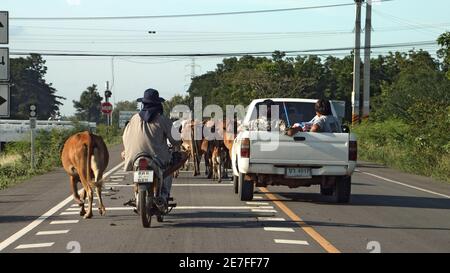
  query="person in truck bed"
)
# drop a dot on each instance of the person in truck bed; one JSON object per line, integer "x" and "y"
{"x": 324, "y": 121}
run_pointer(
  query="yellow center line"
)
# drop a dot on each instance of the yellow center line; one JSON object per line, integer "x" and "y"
{"x": 304, "y": 226}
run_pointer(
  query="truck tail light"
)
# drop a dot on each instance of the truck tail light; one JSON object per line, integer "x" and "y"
{"x": 245, "y": 148}
{"x": 353, "y": 151}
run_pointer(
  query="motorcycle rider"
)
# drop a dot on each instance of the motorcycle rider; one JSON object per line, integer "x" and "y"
{"x": 148, "y": 132}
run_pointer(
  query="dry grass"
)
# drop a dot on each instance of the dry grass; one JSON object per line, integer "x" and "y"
{"x": 8, "y": 159}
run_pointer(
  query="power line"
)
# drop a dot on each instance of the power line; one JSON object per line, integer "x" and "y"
{"x": 438, "y": 26}
{"x": 183, "y": 15}
{"x": 229, "y": 54}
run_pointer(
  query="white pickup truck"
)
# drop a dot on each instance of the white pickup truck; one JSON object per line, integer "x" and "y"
{"x": 262, "y": 158}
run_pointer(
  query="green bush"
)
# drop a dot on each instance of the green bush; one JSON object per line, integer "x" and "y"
{"x": 112, "y": 135}
{"x": 403, "y": 147}
{"x": 48, "y": 147}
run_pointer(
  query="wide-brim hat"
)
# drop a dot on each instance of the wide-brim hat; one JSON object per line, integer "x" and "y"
{"x": 151, "y": 96}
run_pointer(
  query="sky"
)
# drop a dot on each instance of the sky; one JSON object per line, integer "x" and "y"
{"x": 397, "y": 21}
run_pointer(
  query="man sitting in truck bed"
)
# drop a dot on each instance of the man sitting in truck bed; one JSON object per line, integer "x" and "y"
{"x": 324, "y": 121}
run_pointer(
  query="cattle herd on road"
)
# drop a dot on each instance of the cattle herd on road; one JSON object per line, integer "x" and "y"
{"x": 215, "y": 148}
{"x": 85, "y": 157}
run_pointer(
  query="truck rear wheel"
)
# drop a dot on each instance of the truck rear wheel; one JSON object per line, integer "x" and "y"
{"x": 326, "y": 191}
{"x": 246, "y": 188}
{"x": 343, "y": 189}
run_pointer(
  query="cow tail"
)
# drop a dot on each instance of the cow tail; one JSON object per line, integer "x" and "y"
{"x": 90, "y": 151}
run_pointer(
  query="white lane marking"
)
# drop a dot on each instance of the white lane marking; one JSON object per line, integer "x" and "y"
{"x": 69, "y": 213}
{"x": 257, "y": 197}
{"x": 111, "y": 184}
{"x": 117, "y": 176}
{"x": 44, "y": 216}
{"x": 219, "y": 207}
{"x": 201, "y": 185}
{"x": 264, "y": 210}
{"x": 119, "y": 208}
{"x": 271, "y": 219}
{"x": 73, "y": 209}
{"x": 257, "y": 203}
{"x": 292, "y": 242}
{"x": 78, "y": 206}
{"x": 118, "y": 186}
{"x": 107, "y": 208}
{"x": 35, "y": 245}
{"x": 64, "y": 222}
{"x": 52, "y": 232}
{"x": 403, "y": 184}
{"x": 278, "y": 229}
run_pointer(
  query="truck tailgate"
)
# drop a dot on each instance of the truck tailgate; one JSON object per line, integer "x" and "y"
{"x": 311, "y": 149}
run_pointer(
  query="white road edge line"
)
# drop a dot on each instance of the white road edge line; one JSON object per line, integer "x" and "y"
{"x": 52, "y": 232}
{"x": 35, "y": 245}
{"x": 292, "y": 242}
{"x": 278, "y": 229}
{"x": 44, "y": 216}
{"x": 403, "y": 184}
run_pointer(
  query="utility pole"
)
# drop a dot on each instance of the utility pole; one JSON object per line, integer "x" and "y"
{"x": 357, "y": 66}
{"x": 367, "y": 51}
{"x": 193, "y": 66}
{"x": 193, "y": 73}
{"x": 33, "y": 121}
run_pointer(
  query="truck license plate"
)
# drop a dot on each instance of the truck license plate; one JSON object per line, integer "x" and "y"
{"x": 143, "y": 176}
{"x": 298, "y": 172}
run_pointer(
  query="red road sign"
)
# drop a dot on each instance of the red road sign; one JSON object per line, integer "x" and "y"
{"x": 107, "y": 108}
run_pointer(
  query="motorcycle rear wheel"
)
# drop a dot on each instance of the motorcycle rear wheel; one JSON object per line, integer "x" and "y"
{"x": 144, "y": 209}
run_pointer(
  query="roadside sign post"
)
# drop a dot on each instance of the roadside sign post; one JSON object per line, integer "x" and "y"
{"x": 5, "y": 96}
{"x": 33, "y": 114}
{"x": 107, "y": 109}
{"x": 108, "y": 95}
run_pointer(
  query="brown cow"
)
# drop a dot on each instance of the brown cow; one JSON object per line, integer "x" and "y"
{"x": 85, "y": 157}
{"x": 218, "y": 160}
{"x": 195, "y": 144}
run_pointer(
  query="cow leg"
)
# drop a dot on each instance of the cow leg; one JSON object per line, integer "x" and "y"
{"x": 83, "y": 197}
{"x": 90, "y": 197}
{"x": 73, "y": 185}
{"x": 101, "y": 207}
{"x": 219, "y": 171}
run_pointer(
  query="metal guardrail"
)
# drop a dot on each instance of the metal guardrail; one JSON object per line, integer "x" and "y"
{"x": 16, "y": 130}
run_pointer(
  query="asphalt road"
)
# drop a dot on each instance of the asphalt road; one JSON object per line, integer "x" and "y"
{"x": 389, "y": 212}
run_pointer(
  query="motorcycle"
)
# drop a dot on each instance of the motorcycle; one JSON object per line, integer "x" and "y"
{"x": 149, "y": 174}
